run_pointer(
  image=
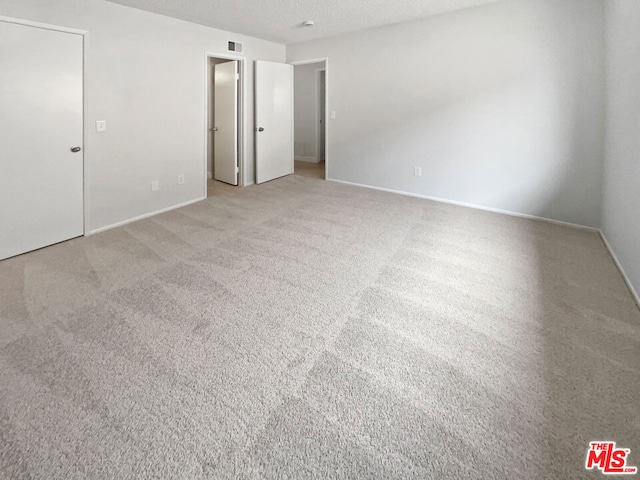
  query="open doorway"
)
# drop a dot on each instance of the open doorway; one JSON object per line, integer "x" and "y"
{"x": 224, "y": 123}
{"x": 310, "y": 118}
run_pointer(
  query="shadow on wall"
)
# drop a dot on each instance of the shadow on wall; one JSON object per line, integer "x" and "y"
{"x": 507, "y": 116}
{"x": 517, "y": 147}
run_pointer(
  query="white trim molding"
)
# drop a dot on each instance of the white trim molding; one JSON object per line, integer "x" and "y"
{"x": 327, "y": 128}
{"x": 470, "y": 205}
{"x": 626, "y": 278}
{"x": 146, "y": 215}
{"x": 46, "y": 26}
{"x": 86, "y": 165}
{"x": 242, "y": 119}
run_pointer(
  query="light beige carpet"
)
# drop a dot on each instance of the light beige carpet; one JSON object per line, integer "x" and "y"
{"x": 258, "y": 335}
{"x": 308, "y": 169}
{"x": 214, "y": 187}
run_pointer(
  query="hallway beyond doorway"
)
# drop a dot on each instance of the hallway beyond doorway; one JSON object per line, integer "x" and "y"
{"x": 214, "y": 187}
{"x": 308, "y": 169}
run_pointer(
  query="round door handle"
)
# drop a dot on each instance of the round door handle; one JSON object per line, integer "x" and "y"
{"x": 261, "y": 129}
{"x": 75, "y": 149}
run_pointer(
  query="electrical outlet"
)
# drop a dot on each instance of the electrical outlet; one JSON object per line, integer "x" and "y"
{"x": 180, "y": 179}
{"x": 101, "y": 126}
{"x": 155, "y": 186}
{"x": 417, "y": 171}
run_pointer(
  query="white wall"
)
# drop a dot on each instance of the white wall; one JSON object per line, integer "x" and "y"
{"x": 621, "y": 207}
{"x": 501, "y": 105}
{"x": 306, "y": 111}
{"x": 144, "y": 75}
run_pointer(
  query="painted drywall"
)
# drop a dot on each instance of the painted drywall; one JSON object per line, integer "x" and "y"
{"x": 306, "y": 111}
{"x": 620, "y": 217}
{"x": 145, "y": 75}
{"x": 502, "y": 106}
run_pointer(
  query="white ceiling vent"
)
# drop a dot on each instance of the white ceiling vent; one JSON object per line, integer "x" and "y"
{"x": 235, "y": 46}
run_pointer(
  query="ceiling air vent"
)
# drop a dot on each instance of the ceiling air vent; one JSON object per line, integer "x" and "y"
{"x": 235, "y": 47}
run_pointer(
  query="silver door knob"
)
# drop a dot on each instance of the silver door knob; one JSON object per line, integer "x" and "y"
{"x": 214, "y": 129}
{"x": 261, "y": 129}
{"x": 75, "y": 149}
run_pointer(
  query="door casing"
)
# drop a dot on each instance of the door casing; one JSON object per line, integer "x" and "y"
{"x": 224, "y": 134}
{"x": 326, "y": 107}
{"x": 85, "y": 165}
{"x": 241, "y": 117}
{"x": 321, "y": 113}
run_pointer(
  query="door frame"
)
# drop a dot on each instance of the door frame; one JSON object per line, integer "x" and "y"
{"x": 319, "y": 128}
{"x": 84, "y": 34}
{"x": 241, "y": 117}
{"x": 326, "y": 105}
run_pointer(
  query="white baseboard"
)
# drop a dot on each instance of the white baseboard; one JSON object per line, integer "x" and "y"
{"x": 142, "y": 217}
{"x": 470, "y": 205}
{"x": 307, "y": 159}
{"x": 627, "y": 280}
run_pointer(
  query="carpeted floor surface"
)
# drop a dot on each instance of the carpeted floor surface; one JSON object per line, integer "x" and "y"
{"x": 304, "y": 329}
{"x": 311, "y": 170}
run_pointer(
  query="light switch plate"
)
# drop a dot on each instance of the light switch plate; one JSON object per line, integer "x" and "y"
{"x": 101, "y": 126}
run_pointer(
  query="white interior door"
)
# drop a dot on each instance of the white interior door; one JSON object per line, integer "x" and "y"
{"x": 274, "y": 120}
{"x": 226, "y": 78}
{"x": 41, "y": 178}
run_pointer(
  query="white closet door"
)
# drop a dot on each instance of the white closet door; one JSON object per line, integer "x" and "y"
{"x": 274, "y": 120}
{"x": 41, "y": 178}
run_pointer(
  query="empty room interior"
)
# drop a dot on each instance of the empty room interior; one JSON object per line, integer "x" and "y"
{"x": 295, "y": 239}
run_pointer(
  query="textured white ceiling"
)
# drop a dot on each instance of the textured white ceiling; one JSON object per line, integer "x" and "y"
{"x": 281, "y": 20}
